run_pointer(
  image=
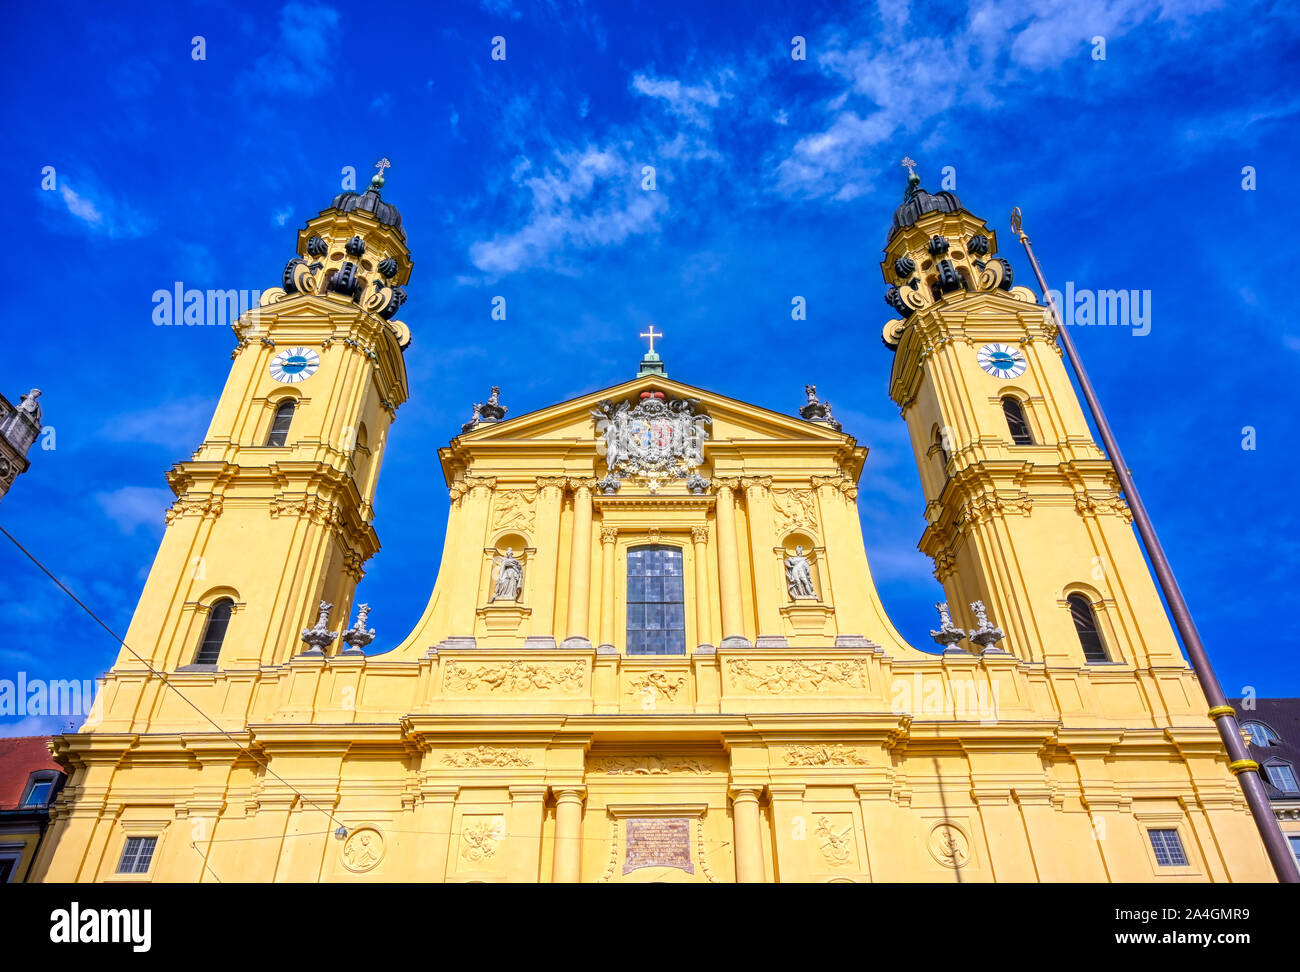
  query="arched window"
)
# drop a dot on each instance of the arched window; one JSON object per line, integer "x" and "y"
{"x": 1085, "y": 623}
{"x": 1260, "y": 734}
{"x": 1016, "y": 422}
{"x": 215, "y": 632}
{"x": 280, "y": 426}
{"x": 656, "y": 606}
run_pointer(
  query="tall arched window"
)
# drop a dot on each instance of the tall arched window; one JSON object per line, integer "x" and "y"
{"x": 1085, "y": 623}
{"x": 280, "y": 426}
{"x": 656, "y": 606}
{"x": 215, "y": 632}
{"x": 1016, "y": 422}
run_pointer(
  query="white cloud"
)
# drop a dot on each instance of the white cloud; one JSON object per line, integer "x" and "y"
{"x": 591, "y": 198}
{"x": 683, "y": 100}
{"x": 101, "y": 213}
{"x": 902, "y": 83}
{"x": 132, "y": 507}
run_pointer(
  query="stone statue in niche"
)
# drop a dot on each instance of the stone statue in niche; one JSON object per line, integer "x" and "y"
{"x": 798, "y": 576}
{"x": 510, "y": 577}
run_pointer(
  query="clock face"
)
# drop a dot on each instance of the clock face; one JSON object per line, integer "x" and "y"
{"x": 1002, "y": 360}
{"x": 294, "y": 365}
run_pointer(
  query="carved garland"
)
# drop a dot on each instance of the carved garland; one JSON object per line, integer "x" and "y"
{"x": 648, "y": 765}
{"x": 827, "y": 755}
{"x": 487, "y": 756}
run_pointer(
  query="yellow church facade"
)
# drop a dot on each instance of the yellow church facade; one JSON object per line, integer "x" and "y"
{"x": 654, "y": 650}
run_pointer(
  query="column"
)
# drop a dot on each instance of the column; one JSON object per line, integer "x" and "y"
{"x": 550, "y": 497}
{"x": 770, "y": 597}
{"x": 733, "y": 620}
{"x": 567, "y": 862}
{"x": 580, "y": 567}
{"x": 749, "y": 835}
{"x": 703, "y": 619}
{"x": 608, "y": 538}
{"x": 527, "y": 810}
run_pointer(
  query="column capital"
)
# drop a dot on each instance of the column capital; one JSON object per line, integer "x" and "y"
{"x": 745, "y": 794}
{"x": 569, "y": 793}
{"x": 838, "y": 481}
{"x": 756, "y": 482}
{"x": 551, "y": 482}
{"x": 726, "y": 482}
{"x": 608, "y": 534}
{"x": 700, "y": 534}
{"x": 469, "y": 483}
{"x": 579, "y": 484}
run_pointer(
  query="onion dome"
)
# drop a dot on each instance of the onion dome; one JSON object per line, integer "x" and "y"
{"x": 369, "y": 202}
{"x": 917, "y": 202}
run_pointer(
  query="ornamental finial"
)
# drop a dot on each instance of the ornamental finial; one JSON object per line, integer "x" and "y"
{"x": 948, "y": 634}
{"x": 913, "y": 180}
{"x": 377, "y": 180}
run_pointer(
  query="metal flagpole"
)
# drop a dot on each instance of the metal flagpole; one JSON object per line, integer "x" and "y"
{"x": 1245, "y": 768}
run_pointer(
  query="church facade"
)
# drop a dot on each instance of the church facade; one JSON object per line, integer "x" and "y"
{"x": 654, "y": 650}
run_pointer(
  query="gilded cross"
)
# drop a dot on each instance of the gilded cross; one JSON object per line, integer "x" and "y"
{"x": 651, "y": 335}
{"x": 381, "y": 165}
{"x": 909, "y": 164}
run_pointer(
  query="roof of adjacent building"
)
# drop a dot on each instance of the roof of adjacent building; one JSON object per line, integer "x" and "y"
{"x": 1283, "y": 717}
{"x": 20, "y": 756}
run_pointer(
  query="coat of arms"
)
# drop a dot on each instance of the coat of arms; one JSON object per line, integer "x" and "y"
{"x": 655, "y": 439}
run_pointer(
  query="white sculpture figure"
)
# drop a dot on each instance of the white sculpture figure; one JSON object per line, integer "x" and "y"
{"x": 28, "y": 403}
{"x": 510, "y": 578}
{"x": 798, "y": 575}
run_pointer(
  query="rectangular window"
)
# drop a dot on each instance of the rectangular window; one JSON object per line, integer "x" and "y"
{"x": 1282, "y": 776}
{"x": 137, "y": 855}
{"x": 1295, "y": 847}
{"x": 656, "y": 605}
{"x": 39, "y": 794}
{"x": 1168, "y": 847}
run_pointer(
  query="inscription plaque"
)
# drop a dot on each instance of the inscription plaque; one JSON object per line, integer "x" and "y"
{"x": 658, "y": 842}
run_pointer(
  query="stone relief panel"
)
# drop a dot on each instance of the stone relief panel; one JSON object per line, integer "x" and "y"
{"x": 834, "y": 754}
{"x": 949, "y": 845}
{"x": 487, "y": 756}
{"x": 654, "y": 688}
{"x": 835, "y": 840}
{"x": 649, "y": 765}
{"x": 513, "y": 676}
{"x": 793, "y": 510}
{"x": 363, "y": 850}
{"x": 481, "y": 839}
{"x": 513, "y": 509}
{"x": 790, "y": 677}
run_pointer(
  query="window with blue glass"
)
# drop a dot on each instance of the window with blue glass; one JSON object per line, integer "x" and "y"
{"x": 656, "y": 607}
{"x": 1168, "y": 847}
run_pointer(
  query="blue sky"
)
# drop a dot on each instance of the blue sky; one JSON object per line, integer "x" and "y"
{"x": 522, "y": 178}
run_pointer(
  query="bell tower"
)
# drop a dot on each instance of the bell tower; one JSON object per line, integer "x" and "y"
{"x": 1022, "y": 509}
{"x": 273, "y": 512}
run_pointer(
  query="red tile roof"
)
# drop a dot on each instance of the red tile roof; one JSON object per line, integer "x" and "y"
{"x": 20, "y": 756}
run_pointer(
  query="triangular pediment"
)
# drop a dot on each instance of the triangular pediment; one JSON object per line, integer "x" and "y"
{"x": 731, "y": 419}
{"x": 734, "y": 425}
